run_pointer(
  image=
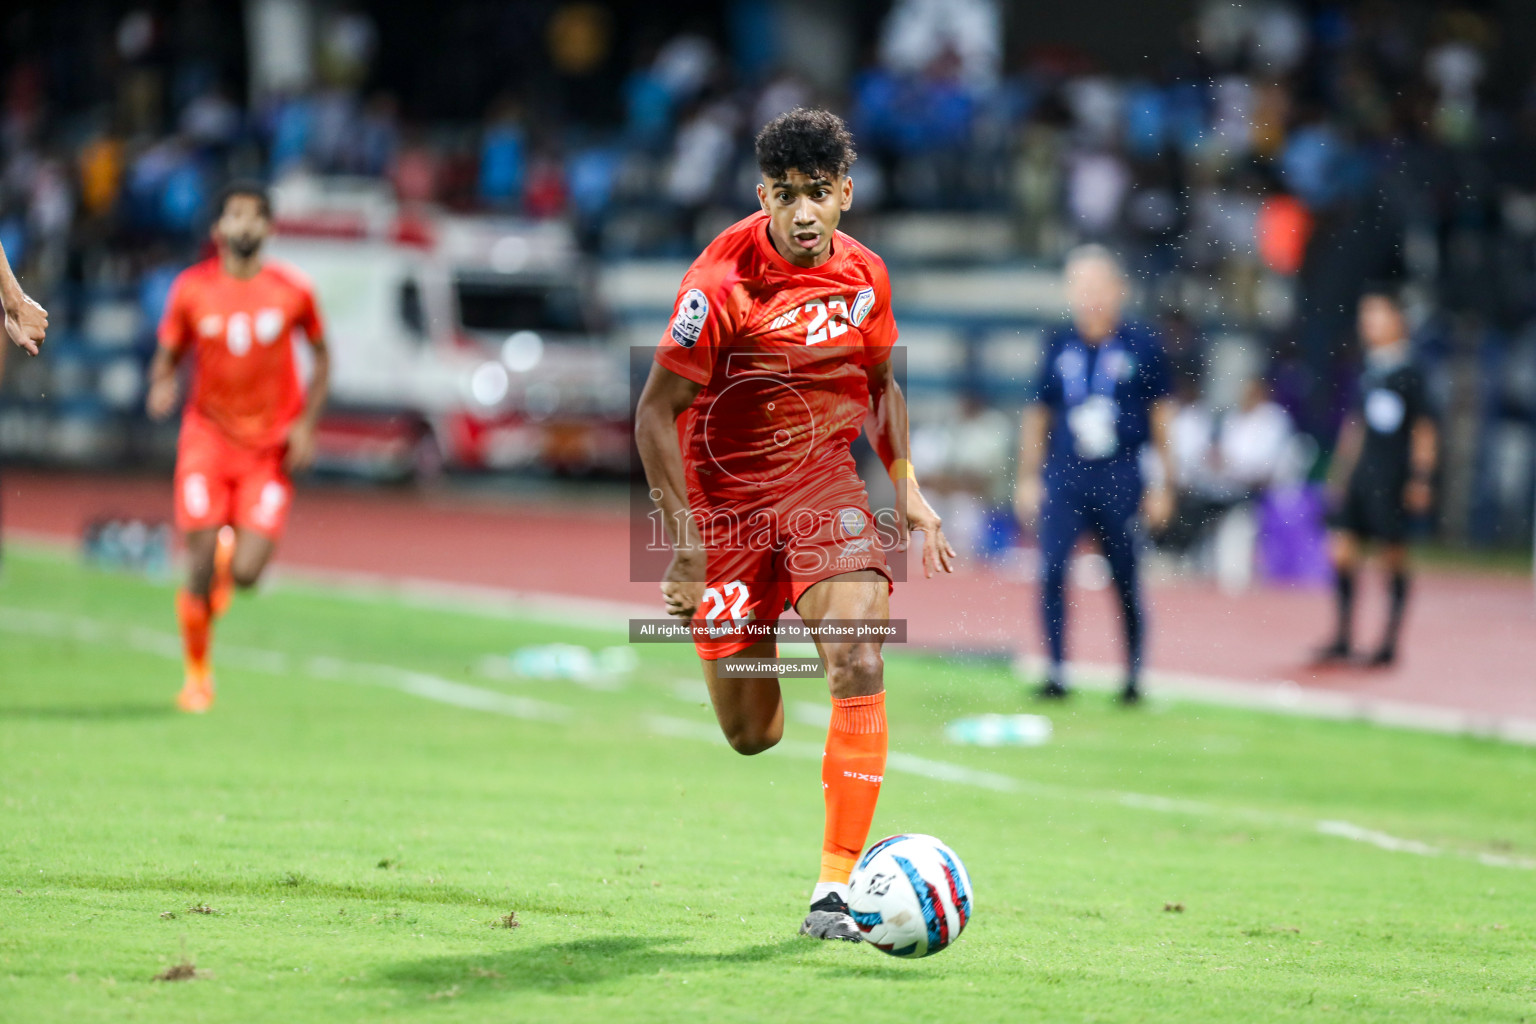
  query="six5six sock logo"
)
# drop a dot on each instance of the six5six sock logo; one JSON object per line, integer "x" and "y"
{"x": 688, "y": 324}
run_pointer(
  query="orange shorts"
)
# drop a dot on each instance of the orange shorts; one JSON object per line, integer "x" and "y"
{"x": 761, "y": 559}
{"x": 219, "y": 482}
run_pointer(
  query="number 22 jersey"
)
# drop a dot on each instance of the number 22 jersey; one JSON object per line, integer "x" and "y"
{"x": 782, "y": 352}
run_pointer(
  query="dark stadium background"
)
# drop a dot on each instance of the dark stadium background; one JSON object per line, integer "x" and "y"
{"x": 1256, "y": 165}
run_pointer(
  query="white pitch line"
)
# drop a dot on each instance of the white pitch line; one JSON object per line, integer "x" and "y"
{"x": 474, "y": 698}
{"x": 1346, "y": 830}
{"x": 1270, "y": 696}
{"x": 444, "y": 691}
{"x": 566, "y": 610}
{"x": 165, "y": 645}
{"x": 946, "y": 771}
{"x": 1286, "y": 697}
{"x": 811, "y": 713}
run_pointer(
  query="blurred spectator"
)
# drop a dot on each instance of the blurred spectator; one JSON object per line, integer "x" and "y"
{"x": 51, "y": 208}
{"x": 348, "y": 42}
{"x": 684, "y": 65}
{"x": 101, "y": 175}
{"x": 783, "y": 93}
{"x": 211, "y": 119}
{"x": 918, "y": 32}
{"x": 1226, "y": 460}
{"x": 700, "y": 156}
{"x": 503, "y": 161}
{"x": 965, "y": 470}
{"x": 291, "y": 125}
{"x": 1096, "y": 186}
{"x": 648, "y": 105}
{"x": 579, "y": 35}
{"x": 1281, "y": 230}
{"x": 1455, "y": 66}
{"x": 546, "y": 195}
{"x": 376, "y": 137}
{"x": 415, "y": 173}
{"x": 1253, "y": 442}
{"x": 1254, "y": 176}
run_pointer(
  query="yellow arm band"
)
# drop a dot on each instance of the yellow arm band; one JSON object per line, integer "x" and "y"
{"x": 902, "y": 469}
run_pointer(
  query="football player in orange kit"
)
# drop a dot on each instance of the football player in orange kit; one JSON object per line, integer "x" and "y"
{"x": 778, "y": 354}
{"x": 249, "y": 421}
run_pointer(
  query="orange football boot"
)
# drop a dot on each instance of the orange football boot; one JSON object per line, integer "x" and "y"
{"x": 196, "y": 694}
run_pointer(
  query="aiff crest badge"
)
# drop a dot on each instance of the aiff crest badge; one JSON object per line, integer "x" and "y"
{"x": 862, "y": 304}
{"x": 688, "y": 324}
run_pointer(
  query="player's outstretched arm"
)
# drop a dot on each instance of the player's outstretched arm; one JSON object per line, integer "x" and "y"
{"x": 1346, "y": 452}
{"x": 26, "y": 322}
{"x": 1028, "y": 489}
{"x": 1158, "y": 504}
{"x": 1423, "y": 457}
{"x": 888, "y": 435}
{"x": 301, "y": 436}
{"x": 667, "y": 396}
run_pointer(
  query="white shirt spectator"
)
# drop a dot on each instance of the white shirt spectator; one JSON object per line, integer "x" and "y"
{"x": 1253, "y": 445}
{"x": 918, "y": 31}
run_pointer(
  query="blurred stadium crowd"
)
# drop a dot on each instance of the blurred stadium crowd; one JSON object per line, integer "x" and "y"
{"x": 1255, "y": 174}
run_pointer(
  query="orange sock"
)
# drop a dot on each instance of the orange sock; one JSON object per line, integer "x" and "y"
{"x": 196, "y": 625}
{"x": 852, "y": 768}
{"x": 223, "y": 579}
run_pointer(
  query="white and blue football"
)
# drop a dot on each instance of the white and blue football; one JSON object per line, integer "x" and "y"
{"x": 910, "y": 895}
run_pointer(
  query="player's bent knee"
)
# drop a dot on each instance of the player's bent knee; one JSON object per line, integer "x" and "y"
{"x": 246, "y": 577}
{"x": 855, "y": 670}
{"x": 753, "y": 741}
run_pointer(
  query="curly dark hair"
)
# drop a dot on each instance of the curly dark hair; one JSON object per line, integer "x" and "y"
{"x": 244, "y": 187}
{"x": 813, "y": 142}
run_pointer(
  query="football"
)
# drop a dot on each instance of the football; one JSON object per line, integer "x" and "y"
{"x": 910, "y": 895}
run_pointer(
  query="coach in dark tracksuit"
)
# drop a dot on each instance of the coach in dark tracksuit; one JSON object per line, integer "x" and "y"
{"x": 1381, "y": 476}
{"x": 1103, "y": 394}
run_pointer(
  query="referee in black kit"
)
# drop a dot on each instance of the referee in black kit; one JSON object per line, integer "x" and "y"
{"x": 1382, "y": 471}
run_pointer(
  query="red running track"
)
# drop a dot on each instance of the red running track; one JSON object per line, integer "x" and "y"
{"x": 1470, "y": 640}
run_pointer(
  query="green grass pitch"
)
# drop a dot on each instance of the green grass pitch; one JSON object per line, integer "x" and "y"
{"x": 368, "y": 803}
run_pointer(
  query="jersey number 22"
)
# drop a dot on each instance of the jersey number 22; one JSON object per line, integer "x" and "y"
{"x": 825, "y": 322}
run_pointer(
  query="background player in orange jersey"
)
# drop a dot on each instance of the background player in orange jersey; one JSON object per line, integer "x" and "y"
{"x": 248, "y": 421}
{"x": 779, "y": 353}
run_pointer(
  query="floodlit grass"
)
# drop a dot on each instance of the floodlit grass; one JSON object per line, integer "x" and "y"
{"x": 331, "y": 843}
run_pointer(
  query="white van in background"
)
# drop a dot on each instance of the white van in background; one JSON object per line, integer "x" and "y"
{"x": 465, "y": 342}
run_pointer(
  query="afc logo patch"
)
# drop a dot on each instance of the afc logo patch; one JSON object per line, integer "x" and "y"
{"x": 688, "y": 324}
{"x": 851, "y": 520}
